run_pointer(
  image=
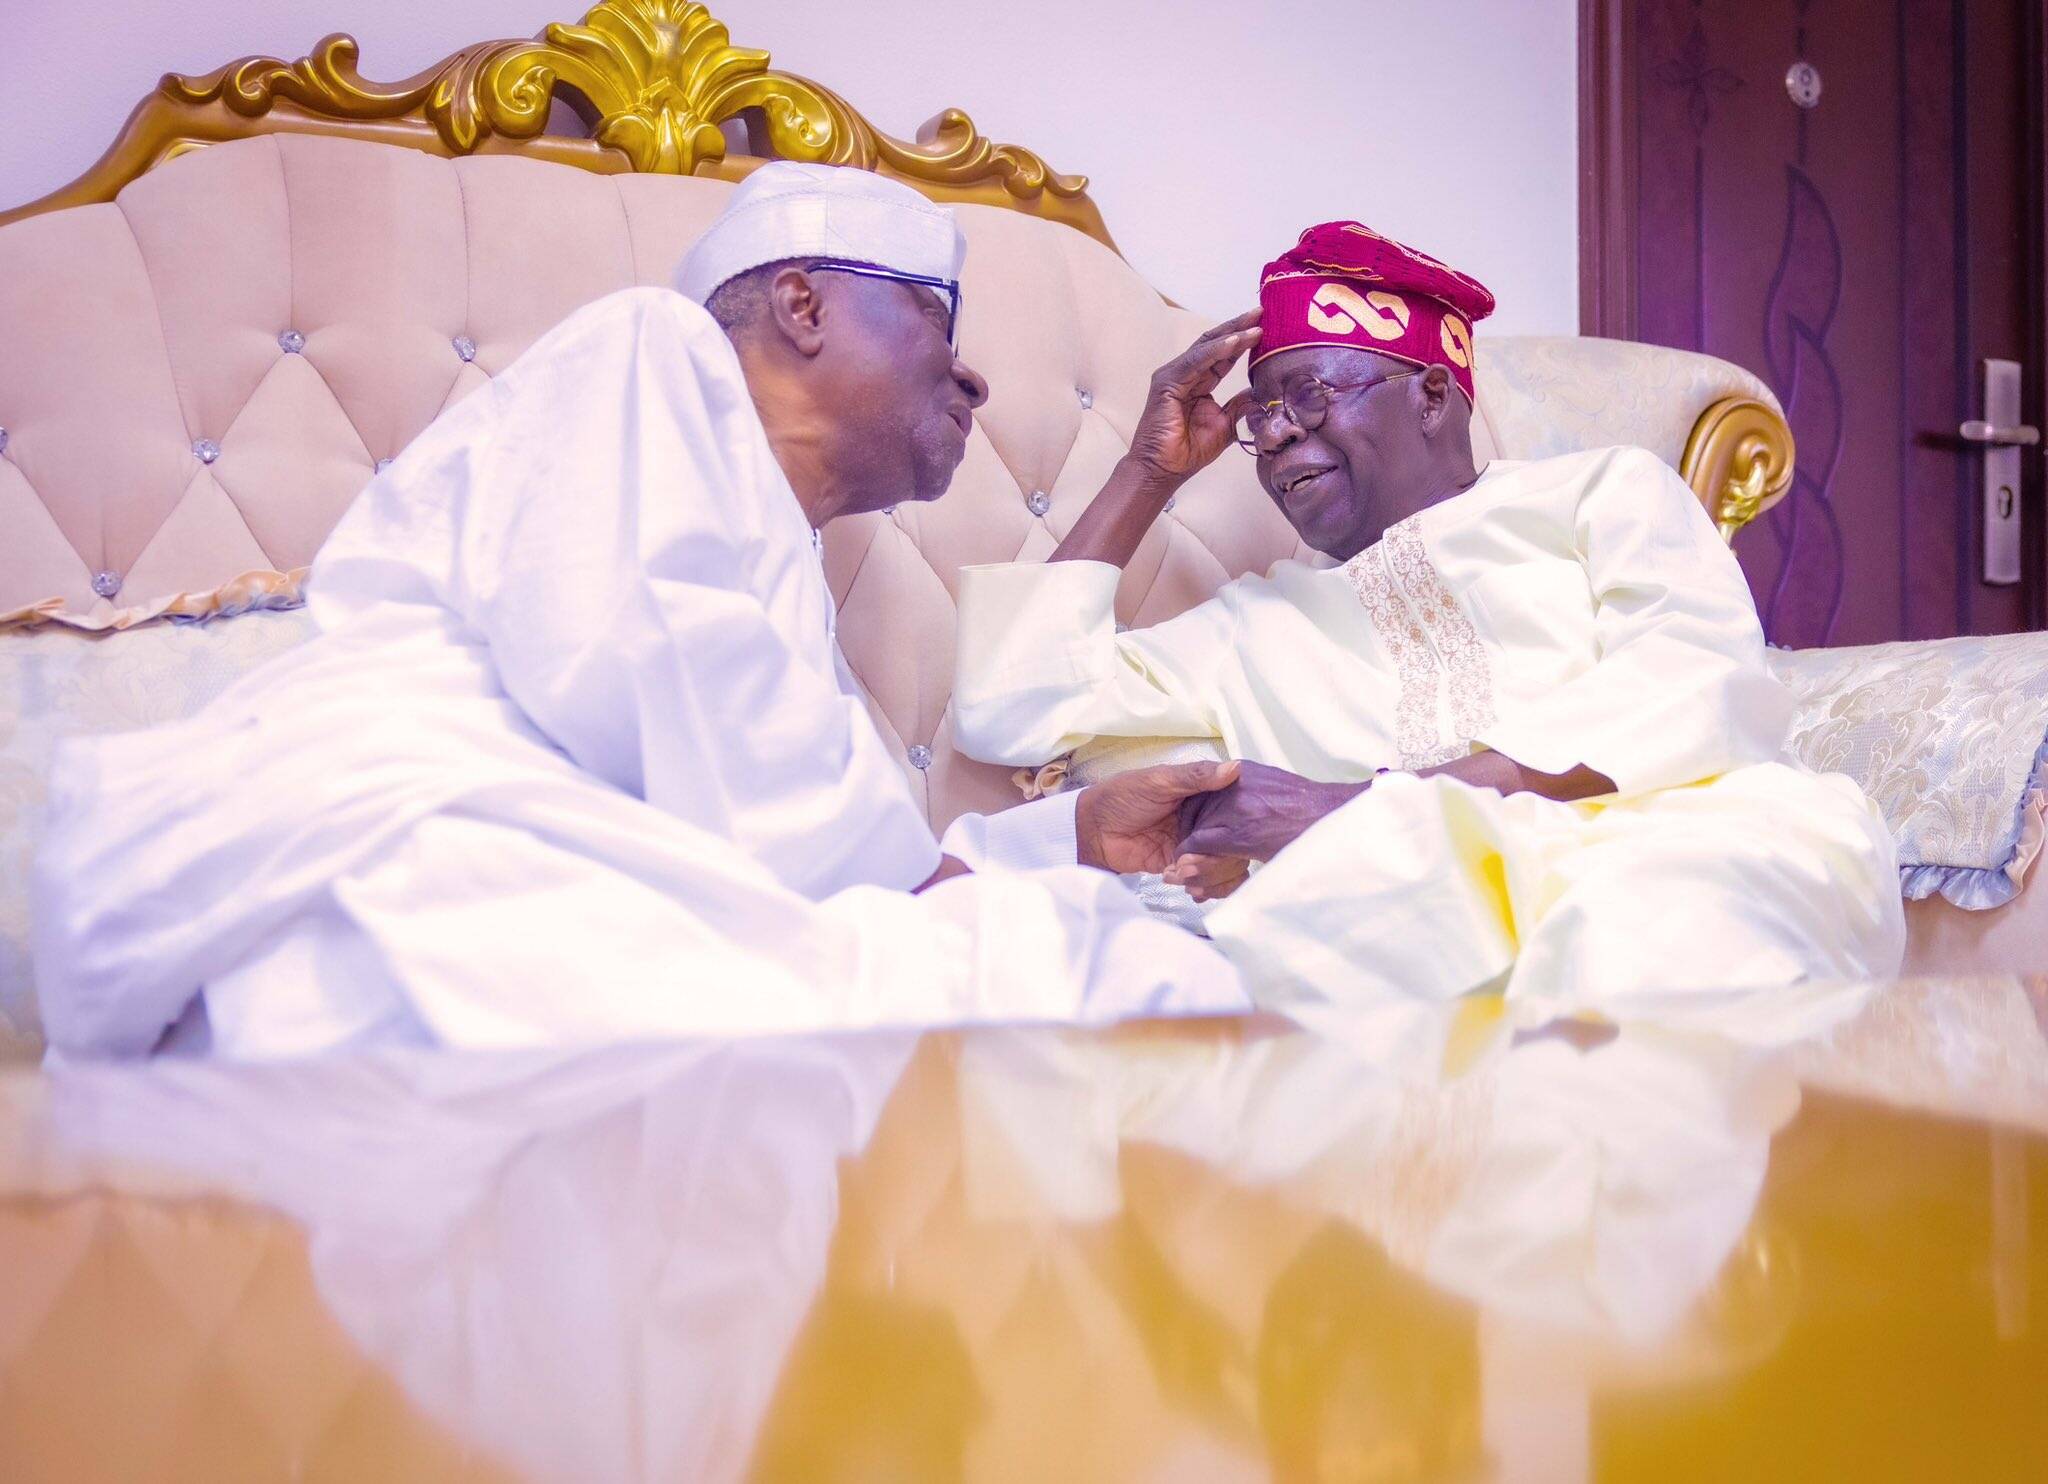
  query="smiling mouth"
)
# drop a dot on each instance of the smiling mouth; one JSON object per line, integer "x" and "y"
{"x": 1304, "y": 477}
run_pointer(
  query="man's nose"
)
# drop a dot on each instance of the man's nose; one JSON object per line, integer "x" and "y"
{"x": 969, "y": 381}
{"x": 1281, "y": 431}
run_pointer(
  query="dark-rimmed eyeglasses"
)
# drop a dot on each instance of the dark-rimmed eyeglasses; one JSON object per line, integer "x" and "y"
{"x": 946, "y": 288}
{"x": 1306, "y": 404}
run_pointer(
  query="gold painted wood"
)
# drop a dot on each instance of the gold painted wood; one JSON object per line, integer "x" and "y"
{"x": 1738, "y": 460}
{"x": 652, "y": 82}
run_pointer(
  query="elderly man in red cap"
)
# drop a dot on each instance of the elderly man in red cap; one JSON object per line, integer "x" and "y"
{"x": 1514, "y": 730}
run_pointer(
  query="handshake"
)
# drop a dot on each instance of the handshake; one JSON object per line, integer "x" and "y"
{"x": 1200, "y": 825}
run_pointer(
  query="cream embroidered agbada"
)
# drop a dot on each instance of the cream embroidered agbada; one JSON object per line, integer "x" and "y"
{"x": 1580, "y": 610}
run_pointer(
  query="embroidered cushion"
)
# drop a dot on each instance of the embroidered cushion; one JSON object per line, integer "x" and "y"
{"x": 1950, "y": 738}
{"x": 59, "y": 682}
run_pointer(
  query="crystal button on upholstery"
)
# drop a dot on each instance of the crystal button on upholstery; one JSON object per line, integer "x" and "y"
{"x": 1170, "y": 499}
{"x": 920, "y": 756}
{"x": 206, "y": 450}
{"x": 1038, "y": 502}
{"x": 1087, "y": 400}
{"x": 291, "y": 342}
{"x": 382, "y": 465}
{"x": 3, "y": 440}
{"x": 106, "y": 584}
{"x": 465, "y": 347}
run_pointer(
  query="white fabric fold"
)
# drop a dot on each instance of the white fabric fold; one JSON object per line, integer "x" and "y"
{"x": 1428, "y": 889}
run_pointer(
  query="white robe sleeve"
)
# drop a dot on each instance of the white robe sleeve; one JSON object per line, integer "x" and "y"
{"x": 1028, "y": 837}
{"x": 734, "y": 732}
{"x": 1680, "y": 691}
{"x": 1041, "y": 668}
{"x": 472, "y": 918}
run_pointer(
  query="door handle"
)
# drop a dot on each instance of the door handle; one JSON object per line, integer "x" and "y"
{"x": 1976, "y": 430}
{"x": 2001, "y": 434}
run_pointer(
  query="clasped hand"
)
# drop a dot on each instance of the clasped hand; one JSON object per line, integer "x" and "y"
{"x": 1252, "y": 819}
{"x": 1200, "y": 824}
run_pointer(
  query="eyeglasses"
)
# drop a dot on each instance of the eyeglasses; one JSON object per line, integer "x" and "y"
{"x": 946, "y": 288}
{"x": 1306, "y": 403}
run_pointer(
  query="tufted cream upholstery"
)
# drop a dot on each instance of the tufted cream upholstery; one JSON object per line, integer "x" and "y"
{"x": 144, "y": 329}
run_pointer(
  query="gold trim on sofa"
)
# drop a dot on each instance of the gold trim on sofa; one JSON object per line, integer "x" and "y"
{"x": 1738, "y": 460}
{"x": 651, "y": 80}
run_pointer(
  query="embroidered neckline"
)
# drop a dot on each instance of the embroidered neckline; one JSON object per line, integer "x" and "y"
{"x": 1429, "y": 635}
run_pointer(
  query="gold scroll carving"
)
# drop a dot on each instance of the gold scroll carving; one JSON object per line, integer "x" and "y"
{"x": 652, "y": 81}
{"x": 1738, "y": 460}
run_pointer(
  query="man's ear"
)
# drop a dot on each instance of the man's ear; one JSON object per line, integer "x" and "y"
{"x": 796, "y": 311}
{"x": 1437, "y": 390}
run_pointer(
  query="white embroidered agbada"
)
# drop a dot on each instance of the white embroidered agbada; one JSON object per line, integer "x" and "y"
{"x": 1579, "y": 610}
{"x": 574, "y": 757}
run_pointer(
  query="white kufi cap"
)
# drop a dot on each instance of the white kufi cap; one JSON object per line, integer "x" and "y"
{"x": 789, "y": 210}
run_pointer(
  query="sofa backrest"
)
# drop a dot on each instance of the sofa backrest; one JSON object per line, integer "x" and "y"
{"x": 199, "y": 376}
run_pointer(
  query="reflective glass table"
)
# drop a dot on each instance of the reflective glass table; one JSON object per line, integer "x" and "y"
{"x": 1800, "y": 1236}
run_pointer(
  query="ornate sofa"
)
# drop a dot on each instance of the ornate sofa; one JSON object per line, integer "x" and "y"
{"x": 280, "y": 274}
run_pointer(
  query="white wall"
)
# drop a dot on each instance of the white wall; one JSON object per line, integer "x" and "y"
{"x": 1213, "y": 130}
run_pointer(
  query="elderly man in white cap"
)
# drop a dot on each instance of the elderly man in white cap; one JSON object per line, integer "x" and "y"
{"x": 575, "y": 755}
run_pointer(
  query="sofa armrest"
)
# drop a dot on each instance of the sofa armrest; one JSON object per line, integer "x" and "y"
{"x": 1714, "y": 422}
{"x": 1738, "y": 460}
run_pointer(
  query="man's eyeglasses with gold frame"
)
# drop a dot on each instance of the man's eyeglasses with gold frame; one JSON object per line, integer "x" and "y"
{"x": 1306, "y": 404}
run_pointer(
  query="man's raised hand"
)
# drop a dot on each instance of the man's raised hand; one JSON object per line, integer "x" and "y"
{"x": 1183, "y": 427}
{"x": 1181, "y": 430}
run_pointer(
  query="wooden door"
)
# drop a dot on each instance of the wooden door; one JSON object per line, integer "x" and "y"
{"x": 1846, "y": 197}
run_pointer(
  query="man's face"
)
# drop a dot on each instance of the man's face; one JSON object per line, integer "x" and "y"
{"x": 1334, "y": 483}
{"x": 908, "y": 398}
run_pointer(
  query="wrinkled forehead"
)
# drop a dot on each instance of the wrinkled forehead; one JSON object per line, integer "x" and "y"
{"x": 1336, "y": 364}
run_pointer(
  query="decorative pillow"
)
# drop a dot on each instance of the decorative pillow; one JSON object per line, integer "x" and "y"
{"x": 1949, "y": 737}
{"x": 58, "y": 682}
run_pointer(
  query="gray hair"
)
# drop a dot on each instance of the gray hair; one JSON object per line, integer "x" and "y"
{"x": 742, "y": 300}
